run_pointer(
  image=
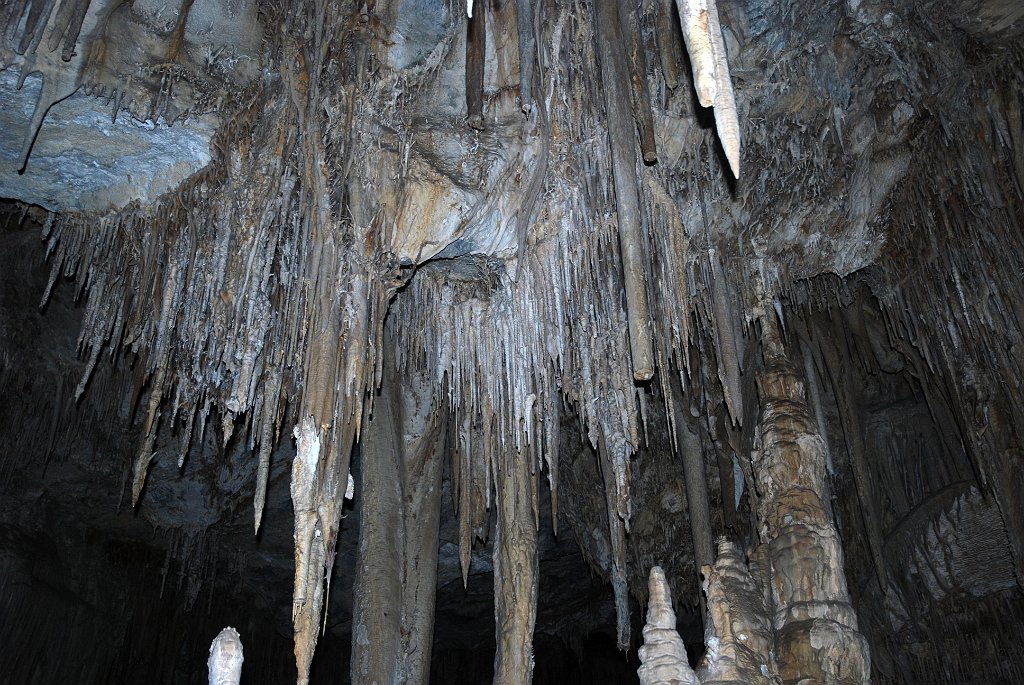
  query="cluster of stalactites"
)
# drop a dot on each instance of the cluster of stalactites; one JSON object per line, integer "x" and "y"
{"x": 243, "y": 294}
{"x": 253, "y": 246}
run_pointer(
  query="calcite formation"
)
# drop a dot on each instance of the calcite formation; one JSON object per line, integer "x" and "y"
{"x": 226, "y": 658}
{"x": 816, "y": 636}
{"x": 741, "y": 650}
{"x": 505, "y": 258}
{"x": 663, "y": 656}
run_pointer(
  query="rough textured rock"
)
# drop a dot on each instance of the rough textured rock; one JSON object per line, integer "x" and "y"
{"x": 741, "y": 649}
{"x": 396, "y": 567}
{"x": 540, "y": 213}
{"x": 83, "y": 161}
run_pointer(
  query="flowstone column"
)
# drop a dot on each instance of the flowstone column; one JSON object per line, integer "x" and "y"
{"x": 816, "y": 636}
{"x": 396, "y": 565}
{"x": 516, "y": 571}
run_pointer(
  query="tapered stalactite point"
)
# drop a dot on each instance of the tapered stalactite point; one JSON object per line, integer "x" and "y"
{"x": 704, "y": 43}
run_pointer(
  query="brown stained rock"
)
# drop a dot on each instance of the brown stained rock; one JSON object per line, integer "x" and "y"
{"x": 396, "y": 564}
{"x": 516, "y": 571}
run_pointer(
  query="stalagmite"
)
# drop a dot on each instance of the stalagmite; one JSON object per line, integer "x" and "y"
{"x": 533, "y": 272}
{"x": 662, "y": 657}
{"x": 816, "y": 636}
{"x": 226, "y": 657}
{"x": 706, "y": 47}
{"x": 615, "y": 80}
{"x": 515, "y": 571}
{"x": 739, "y": 649}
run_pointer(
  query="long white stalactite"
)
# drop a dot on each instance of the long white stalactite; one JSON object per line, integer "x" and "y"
{"x": 702, "y": 33}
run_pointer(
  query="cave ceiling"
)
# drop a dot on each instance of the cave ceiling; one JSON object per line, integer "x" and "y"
{"x": 306, "y": 267}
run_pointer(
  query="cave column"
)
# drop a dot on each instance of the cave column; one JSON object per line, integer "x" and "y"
{"x": 816, "y": 635}
{"x": 516, "y": 570}
{"x": 396, "y": 564}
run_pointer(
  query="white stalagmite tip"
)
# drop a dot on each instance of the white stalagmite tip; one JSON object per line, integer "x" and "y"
{"x": 226, "y": 658}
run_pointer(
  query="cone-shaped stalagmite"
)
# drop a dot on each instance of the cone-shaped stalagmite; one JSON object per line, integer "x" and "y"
{"x": 739, "y": 651}
{"x": 663, "y": 656}
{"x": 226, "y": 657}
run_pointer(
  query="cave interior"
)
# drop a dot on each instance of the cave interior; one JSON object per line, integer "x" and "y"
{"x": 535, "y": 341}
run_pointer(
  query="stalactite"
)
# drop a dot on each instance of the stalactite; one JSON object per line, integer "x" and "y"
{"x": 728, "y": 347}
{"x": 555, "y": 330}
{"x": 400, "y": 505}
{"x": 617, "y": 534}
{"x": 636, "y": 59}
{"x": 422, "y": 485}
{"x": 698, "y": 506}
{"x": 814, "y": 395}
{"x": 527, "y": 52}
{"x": 614, "y": 77}
{"x": 853, "y": 432}
{"x": 476, "y": 50}
{"x": 706, "y": 47}
{"x": 377, "y": 590}
{"x": 663, "y": 656}
{"x": 268, "y": 437}
{"x": 57, "y": 85}
{"x": 669, "y": 46}
{"x": 168, "y": 310}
